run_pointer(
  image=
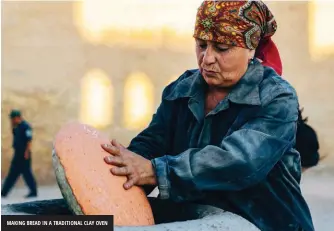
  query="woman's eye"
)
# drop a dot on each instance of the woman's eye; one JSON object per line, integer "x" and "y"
{"x": 202, "y": 46}
{"x": 222, "y": 49}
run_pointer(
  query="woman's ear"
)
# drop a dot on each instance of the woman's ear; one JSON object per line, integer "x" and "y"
{"x": 251, "y": 54}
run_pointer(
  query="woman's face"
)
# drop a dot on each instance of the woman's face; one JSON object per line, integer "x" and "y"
{"x": 221, "y": 65}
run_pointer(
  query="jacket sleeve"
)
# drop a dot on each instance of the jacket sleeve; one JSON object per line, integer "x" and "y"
{"x": 244, "y": 157}
{"x": 28, "y": 133}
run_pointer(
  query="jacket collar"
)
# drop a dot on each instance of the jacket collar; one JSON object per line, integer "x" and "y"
{"x": 246, "y": 91}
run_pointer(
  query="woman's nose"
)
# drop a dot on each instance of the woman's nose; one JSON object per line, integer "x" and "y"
{"x": 209, "y": 56}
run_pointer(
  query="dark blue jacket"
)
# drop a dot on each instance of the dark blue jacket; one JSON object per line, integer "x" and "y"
{"x": 239, "y": 157}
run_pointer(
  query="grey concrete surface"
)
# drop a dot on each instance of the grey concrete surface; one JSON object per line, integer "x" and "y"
{"x": 318, "y": 189}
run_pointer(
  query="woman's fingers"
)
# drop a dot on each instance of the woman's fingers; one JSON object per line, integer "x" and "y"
{"x": 111, "y": 149}
{"x": 116, "y": 144}
{"x": 114, "y": 160}
{"x": 131, "y": 182}
{"x": 126, "y": 163}
{"x": 120, "y": 171}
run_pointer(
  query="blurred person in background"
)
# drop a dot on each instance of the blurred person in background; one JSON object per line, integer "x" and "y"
{"x": 21, "y": 162}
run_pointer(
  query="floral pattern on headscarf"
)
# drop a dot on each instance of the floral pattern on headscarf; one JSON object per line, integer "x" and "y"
{"x": 234, "y": 23}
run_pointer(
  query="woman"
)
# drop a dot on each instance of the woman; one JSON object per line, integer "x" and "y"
{"x": 224, "y": 134}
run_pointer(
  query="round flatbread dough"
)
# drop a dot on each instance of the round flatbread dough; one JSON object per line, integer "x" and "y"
{"x": 86, "y": 182}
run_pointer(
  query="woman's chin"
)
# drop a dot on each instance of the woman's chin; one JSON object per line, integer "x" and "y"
{"x": 218, "y": 83}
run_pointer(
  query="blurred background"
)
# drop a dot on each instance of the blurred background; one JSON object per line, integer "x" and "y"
{"x": 105, "y": 63}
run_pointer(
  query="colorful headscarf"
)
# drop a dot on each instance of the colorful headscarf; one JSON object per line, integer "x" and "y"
{"x": 247, "y": 24}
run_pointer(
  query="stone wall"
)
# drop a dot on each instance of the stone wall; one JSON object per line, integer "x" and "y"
{"x": 45, "y": 57}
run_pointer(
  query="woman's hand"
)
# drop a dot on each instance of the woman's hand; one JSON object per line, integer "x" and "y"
{"x": 138, "y": 170}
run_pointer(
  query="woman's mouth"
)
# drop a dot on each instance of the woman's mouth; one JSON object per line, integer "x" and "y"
{"x": 209, "y": 73}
